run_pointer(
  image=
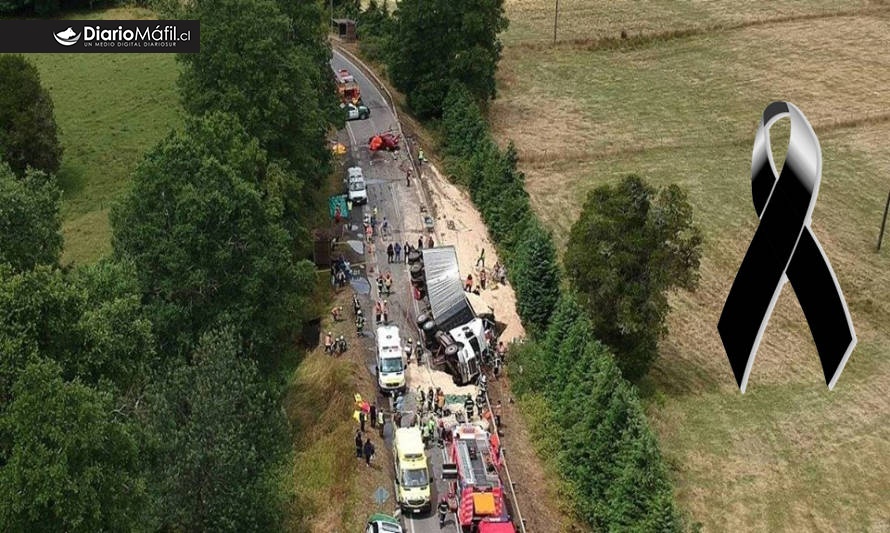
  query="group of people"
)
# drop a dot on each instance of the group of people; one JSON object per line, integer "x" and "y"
{"x": 334, "y": 345}
{"x": 381, "y": 311}
{"x": 384, "y": 283}
{"x": 499, "y": 272}
{"x": 394, "y": 253}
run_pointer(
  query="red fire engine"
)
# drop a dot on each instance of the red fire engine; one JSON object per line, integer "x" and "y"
{"x": 475, "y": 455}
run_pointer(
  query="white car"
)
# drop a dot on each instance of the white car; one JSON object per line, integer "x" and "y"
{"x": 357, "y": 191}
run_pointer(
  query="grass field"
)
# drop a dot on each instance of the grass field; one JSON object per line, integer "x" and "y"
{"x": 679, "y": 102}
{"x": 110, "y": 108}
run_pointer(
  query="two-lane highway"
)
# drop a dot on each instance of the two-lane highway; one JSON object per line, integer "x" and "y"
{"x": 401, "y": 205}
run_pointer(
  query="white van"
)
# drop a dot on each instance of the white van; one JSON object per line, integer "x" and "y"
{"x": 412, "y": 473}
{"x": 390, "y": 362}
{"x": 355, "y": 179}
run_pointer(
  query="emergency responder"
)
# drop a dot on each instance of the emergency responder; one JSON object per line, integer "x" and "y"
{"x": 409, "y": 350}
{"x": 469, "y": 404}
{"x": 440, "y": 401}
{"x": 431, "y": 429}
{"x": 329, "y": 342}
{"x": 359, "y": 323}
{"x": 443, "y": 509}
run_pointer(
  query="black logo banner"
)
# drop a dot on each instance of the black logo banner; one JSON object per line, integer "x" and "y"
{"x": 100, "y": 36}
{"x": 785, "y": 249}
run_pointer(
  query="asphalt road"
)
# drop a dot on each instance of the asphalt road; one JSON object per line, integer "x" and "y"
{"x": 401, "y": 205}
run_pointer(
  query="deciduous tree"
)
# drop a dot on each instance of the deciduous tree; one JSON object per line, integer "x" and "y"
{"x": 629, "y": 248}
{"x": 216, "y": 430}
{"x": 30, "y": 227}
{"x": 206, "y": 237}
{"x": 69, "y": 457}
{"x": 436, "y": 42}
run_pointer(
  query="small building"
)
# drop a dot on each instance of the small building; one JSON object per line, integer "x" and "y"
{"x": 344, "y": 28}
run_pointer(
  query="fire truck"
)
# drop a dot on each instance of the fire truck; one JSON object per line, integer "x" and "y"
{"x": 348, "y": 88}
{"x": 475, "y": 460}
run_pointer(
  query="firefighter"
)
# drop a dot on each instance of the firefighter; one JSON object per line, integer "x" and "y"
{"x": 378, "y": 310}
{"x": 359, "y": 324}
{"x": 431, "y": 429}
{"x": 469, "y": 404}
{"x": 443, "y": 509}
{"x": 408, "y": 350}
{"x": 440, "y": 401}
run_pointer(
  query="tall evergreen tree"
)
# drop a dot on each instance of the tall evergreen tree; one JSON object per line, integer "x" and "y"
{"x": 535, "y": 278}
{"x": 275, "y": 86}
{"x": 29, "y": 135}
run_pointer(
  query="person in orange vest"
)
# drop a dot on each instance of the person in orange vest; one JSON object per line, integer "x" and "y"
{"x": 468, "y": 286}
{"x": 378, "y": 310}
{"x": 329, "y": 343}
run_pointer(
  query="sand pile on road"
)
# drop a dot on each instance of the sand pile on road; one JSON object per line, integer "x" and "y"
{"x": 427, "y": 377}
{"x": 469, "y": 237}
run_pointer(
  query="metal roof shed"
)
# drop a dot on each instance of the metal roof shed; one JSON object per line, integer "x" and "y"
{"x": 448, "y": 302}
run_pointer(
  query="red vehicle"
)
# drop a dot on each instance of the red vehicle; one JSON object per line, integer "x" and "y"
{"x": 348, "y": 88}
{"x": 481, "y": 499}
{"x": 384, "y": 141}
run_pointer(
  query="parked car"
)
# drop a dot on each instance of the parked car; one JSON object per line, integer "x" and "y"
{"x": 357, "y": 112}
{"x": 382, "y": 523}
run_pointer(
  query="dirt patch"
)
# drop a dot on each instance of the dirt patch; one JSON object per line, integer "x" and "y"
{"x": 461, "y": 226}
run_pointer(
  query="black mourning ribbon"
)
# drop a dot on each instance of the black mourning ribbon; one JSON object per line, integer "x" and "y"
{"x": 785, "y": 249}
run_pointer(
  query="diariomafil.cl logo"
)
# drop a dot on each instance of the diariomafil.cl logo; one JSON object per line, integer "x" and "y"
{"x": 67, "y": 37}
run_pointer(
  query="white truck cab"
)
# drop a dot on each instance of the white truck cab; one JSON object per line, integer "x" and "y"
{"x": 357, "y": 191}
{"x": 390, "y": 360}
{"x": 471, "y": 342}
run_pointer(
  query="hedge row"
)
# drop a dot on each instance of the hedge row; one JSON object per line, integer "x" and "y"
{"x": 604, "y": 447}
{"x": 497, "y": 188}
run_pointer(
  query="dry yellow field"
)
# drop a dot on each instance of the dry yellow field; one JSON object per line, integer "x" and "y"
{"x": 678, "y": 102}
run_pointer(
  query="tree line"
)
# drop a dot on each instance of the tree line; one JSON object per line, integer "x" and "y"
{"x": 142, "y": 392}
{"x": 595, "y": 323}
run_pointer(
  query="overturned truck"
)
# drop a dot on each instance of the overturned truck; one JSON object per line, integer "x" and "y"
{"x": 456, "y": 338}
